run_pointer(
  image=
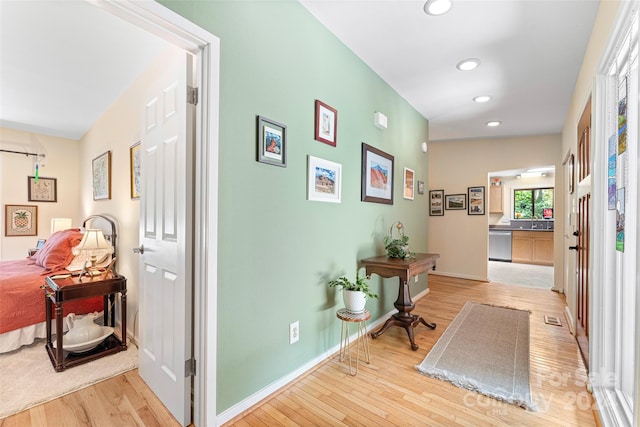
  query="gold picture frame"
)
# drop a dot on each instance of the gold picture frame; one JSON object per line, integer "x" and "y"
{"x": 135, "y": 162}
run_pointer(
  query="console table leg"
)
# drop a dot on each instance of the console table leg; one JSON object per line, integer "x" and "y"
{"x": 427, "y": 324}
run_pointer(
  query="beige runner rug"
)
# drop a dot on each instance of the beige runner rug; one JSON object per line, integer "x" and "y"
{"x": 485, "y": 349}
{"x": 27, "y": 377}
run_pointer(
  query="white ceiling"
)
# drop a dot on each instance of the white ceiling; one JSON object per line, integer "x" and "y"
{"x": 63, "y": 62}
{"x": 530, "y": 52}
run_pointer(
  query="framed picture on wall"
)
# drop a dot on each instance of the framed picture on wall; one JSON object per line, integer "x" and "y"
{"x": 476, "y": 200}
{"x": 20, "y": 220}
{"x": 134, "y": 169}
{"x": 326, "y": 124}
{"x": 376, "y": 176}
{"x": 408, "y": 183}
{"x": 272, "y": 142}
{"x": 420, "y": 187}
{"x": 101, "y": 169}
{"x": 42, "y": 189}
{"x": 436, "y": 202}
{"x": 324, "y": 182}
{"x": 455, "y": 202}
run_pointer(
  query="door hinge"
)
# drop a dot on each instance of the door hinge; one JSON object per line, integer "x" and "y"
{"x": 190, "y": 368}
{"x": 192, "y": 95}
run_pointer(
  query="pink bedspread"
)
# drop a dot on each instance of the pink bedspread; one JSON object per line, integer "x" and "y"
{"x": 22, "y": 300}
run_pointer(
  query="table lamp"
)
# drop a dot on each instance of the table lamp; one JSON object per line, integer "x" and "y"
{"x": 93, "y": 241}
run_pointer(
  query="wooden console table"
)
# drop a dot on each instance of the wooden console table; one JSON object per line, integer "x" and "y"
{"x": 405, "y": 269}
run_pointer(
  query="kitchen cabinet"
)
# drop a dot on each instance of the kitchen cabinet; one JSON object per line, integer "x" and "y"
{"x": 532, "y": 247}
{"x": 496, "y": 196}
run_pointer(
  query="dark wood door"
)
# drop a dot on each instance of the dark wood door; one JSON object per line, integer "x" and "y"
{"x": 582, "y": 233}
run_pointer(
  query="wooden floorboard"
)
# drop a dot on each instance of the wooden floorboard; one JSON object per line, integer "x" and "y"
{"x": 387, "y": 392}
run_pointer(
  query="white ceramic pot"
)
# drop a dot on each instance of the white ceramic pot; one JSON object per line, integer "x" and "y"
{"x": 354, "y": 301}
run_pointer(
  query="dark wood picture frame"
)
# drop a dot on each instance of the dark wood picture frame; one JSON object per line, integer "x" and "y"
{"x": 20, "y": 220}
{"x": 455, "y": 202}
{"x": 271, "y": 142}
{"x": 42, "y": 190}
{"x": 101, "y": 171}
{"x": 326, "y": 129}
{"x": 376, "y": 176}
{"x": 476, "y": 197}
{"x": 436, "y": 202}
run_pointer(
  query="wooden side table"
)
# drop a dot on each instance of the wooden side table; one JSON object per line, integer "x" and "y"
{"x": 59, "y": 291}
{"x": 404, "y": 269}
{"x": 361, "y": 319}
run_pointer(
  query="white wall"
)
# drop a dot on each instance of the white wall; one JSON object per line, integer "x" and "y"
{"x": 456, "y": 165}
{"x": 61, "y": 162}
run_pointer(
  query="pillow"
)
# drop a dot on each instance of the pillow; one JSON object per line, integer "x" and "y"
{"x": 56, "y": 253}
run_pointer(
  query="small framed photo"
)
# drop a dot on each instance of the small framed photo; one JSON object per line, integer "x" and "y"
{"x": 408, "y": 184}
{"x": 101, "y": 169}
{"x": 326, "y": 124}
{"x": 42, "y": 189}
{"x": 376, "y": 176}
{"x": 455, "y": 202}
{"x": 20, "y": 220}
{"x": 420, "y": 187}
{"x": 324, "y": 181}
{"x": 476, "y": 200}
{"x": 272, "y": 142}
{"x": 436, "y": 202}
{"x": 135, "y": 162}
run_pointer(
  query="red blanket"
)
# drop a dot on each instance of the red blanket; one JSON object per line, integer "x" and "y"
{"x": 22, "y": 300}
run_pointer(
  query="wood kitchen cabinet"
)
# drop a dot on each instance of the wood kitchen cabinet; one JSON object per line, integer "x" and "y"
{"x": 532, "y": 247}
{"x": 496, "y": 196}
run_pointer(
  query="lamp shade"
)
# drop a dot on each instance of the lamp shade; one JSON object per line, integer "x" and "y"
{"x": 93, "y": 239}
{"x": 58, "y": 224}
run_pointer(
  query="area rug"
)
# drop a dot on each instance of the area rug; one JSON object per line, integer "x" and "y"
{"x": 27, "y": 377}
{"x": 485, "y": 349}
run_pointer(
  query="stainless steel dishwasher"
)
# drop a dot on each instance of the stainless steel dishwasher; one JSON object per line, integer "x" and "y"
{"x": 499, "y": 245}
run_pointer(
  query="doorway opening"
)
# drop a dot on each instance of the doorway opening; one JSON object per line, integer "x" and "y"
{"x": 521, "y": 227}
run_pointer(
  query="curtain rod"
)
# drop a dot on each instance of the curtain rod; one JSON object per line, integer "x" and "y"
{"x": 21, "y": 152}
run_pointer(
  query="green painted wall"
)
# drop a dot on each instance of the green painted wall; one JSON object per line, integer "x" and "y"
{"x": 276, "y": 249}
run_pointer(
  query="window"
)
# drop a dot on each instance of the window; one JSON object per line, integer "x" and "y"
{"x": 533, "y": 203}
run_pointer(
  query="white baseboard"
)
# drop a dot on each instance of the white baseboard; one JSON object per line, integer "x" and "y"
{"x": 459, "y": 276}
{"x": 569, "y": 317}
{"x": 275, "y": 386}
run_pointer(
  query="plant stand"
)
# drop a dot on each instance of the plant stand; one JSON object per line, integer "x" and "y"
{"x": 362, "y": 340}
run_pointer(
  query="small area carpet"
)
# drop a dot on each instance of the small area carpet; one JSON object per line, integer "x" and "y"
{"x": 27, "y": 377}
{"x": 485, "y": 349}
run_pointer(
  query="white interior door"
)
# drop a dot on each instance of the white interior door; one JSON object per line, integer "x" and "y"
{"x": 165, "y": 268}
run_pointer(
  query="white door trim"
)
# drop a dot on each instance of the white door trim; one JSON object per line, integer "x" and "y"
{"x": 166, "y": 24}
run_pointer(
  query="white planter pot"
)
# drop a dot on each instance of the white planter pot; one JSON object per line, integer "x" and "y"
{"x": 354, "y": 301}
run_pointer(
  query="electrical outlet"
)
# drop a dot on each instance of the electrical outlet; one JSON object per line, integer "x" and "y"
{"x": 416, "y": 278}
{"x": 294, "y": 332}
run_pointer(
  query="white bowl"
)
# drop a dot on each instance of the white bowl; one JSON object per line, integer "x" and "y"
{"x": 82, "y": 347}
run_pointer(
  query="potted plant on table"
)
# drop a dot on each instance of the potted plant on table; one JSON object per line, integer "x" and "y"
{"x": 397, "y": 247}
{"x": 354, "y": 294}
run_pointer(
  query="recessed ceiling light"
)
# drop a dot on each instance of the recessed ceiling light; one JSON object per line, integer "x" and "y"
{"x": 468, "y": 64}
{"x": 482, "y": 98}
{"x": 494, "y": 123}
{"x": 437, "y": 7}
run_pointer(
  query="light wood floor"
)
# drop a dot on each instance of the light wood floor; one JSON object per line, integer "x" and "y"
{"x": 389, "y": 391}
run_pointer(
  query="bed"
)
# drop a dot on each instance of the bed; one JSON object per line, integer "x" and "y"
{"x": 22, "y": 307}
